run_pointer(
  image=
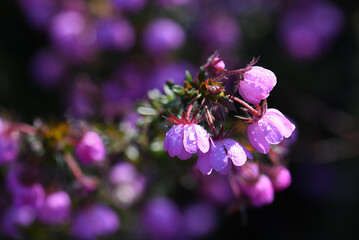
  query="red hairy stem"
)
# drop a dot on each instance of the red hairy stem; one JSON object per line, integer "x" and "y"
{"x": 77, "y": 172}
{"x": 210, "y": 122}
{"x": 21, "y": 127}
{"x": 191, "y": 105}
{"x": 246, "y": 105}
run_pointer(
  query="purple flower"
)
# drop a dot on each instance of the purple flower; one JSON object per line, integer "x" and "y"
{"x": 15, "y": 216}
{"x": 183, "y": 140}
{"x": 219, "y": 32}
{"x": 123, "y": 172}
{"x": 94, "y": 221}
{"x": 199, "y": 220}
{"x": 257, "y": 84}
{"x": 215, "y": 189}
{"x": 309, "y": 28}
{"x": 38, "y": 12}
{"x": 48, "y": 69}
{"x": 56, "y": 208}
{"x": 31, "y": 195}
{"x": 260, "y": 192}
{"x": 116, "y": 34}
{"x": 269, "y": 129}
{"x": 161, "y": 219}
{"x": 129, "y": 184}
{"x": 9, "y": 143}
{"x": 221, "y": 155}
{"x": 73, "y": 35}
{"x": 90, "y": 149}
{"x": 163, "y": 35}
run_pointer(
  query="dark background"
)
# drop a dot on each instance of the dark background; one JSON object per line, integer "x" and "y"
{"x": 320, "y": 95}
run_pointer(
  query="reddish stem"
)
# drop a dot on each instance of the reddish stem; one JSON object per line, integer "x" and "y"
{"x": 246, "y": 105}
{"x": 225, "y": 74}
{"x": 210, "y": 122}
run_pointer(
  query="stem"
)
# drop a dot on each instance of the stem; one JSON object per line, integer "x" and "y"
{"x": 191, "y": 105}
{"x": 210, "y": 122}
{"x": 225, "y": 74}
{"x": 246, "y": 105}
{"x": 87, "y": 182}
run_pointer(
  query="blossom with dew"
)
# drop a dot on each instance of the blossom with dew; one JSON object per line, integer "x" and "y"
{"x": 90, "y": 149}
{"x": 269, "y": 129}
{"x": 186, "y": 138}
{"x": 256, "y": 84}
{"x": 222, "y": 154}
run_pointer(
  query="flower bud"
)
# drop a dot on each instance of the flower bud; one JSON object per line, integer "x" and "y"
{"x": 90, "y": 149}
{"x": 256, "y": 84}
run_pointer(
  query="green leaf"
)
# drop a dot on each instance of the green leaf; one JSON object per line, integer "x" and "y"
{"x": 189, "y": 77}
{"x": 168, "y": 91}
{"x": 147, "y": 111}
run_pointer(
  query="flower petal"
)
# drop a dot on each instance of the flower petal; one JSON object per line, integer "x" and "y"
{"x": 202, "y": 139}
{"x": 283, "y": 124}
{"x": 270, "y": 130}
{"x": 226, "y": 170}
{"x": 235, "y": 152}
{"x": 184, "y": 155}
{"x": 217, "y": 156}
{"x": 175, "y": 140}
{"x": 190, "y": 138}
{"x": 257, "y": 139}
{"x": 203, "y": 163}
{"x": 166, "y": 141}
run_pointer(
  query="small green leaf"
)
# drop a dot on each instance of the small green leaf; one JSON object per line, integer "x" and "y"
{"x": 189, "y": 77}
{"x": 147, "y": 111}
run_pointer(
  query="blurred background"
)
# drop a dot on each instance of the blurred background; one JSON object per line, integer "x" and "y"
{"x": 93, "y": 59}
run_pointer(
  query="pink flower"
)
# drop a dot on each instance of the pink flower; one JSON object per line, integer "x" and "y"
{"x": 56, "y": 208}
{"x": 256, "y": 84}
{"x": 269, "y": 129}
{"x": 221, "y": 155}
{"x": 90, "y": 148}
{"x": 280, "y": 177}
{"x": 259, "y": 193}
{"x": 183, "y": 140}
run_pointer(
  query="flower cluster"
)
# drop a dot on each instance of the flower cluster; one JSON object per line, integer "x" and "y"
{"x": 216, "y": 151}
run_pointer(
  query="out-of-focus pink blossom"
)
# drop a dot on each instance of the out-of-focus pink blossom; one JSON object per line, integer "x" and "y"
{"x": 260, "y": 192}
{"x": 94, "y": 221}
{"x": 163, "y": 35}
{"x": 90, "y": 149}
{"x": 56, "y": 208}
{"x": 161, "y": 219}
